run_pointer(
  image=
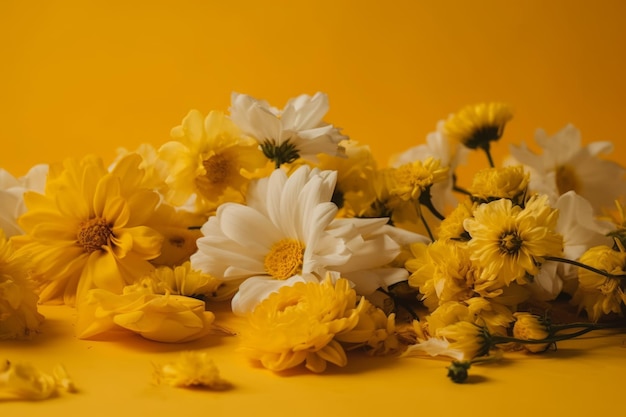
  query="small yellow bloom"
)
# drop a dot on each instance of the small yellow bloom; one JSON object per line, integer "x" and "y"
{"x": 183, "y": 280}
{"x": 469, "y": 338}
{"x": 476, "y": 125}
{"x": 530, "y": 327}
{"x": 597, "y": 294}
{"x": 298, "y": 324}
{"x": 22, "y": 381}
{"x": 412, "y": 179}
{"x": 495, "y": 183}
{"x": 190, "y": 369}
{"x": 451, "y": 228}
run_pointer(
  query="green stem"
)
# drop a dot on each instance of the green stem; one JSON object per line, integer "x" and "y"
{"x": 485, "y": 148}
{"x": 458, "y": 189}
{"x": 587, "y": 267}
{"x": 430, "y": 234}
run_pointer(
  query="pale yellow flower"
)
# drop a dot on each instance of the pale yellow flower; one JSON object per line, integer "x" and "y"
{"x": 18, "y": 301}
{"x": 530, "y": 327}
{"x": 160, "y": 317}
{"x": 476, "y": 125}
{"x": 467, "y": 337}
{"x": 298, "y": 324}
{"x": 494, "y": 183}
{"x": 451, "y": 228}
{"x": 89, "y": 228}
{"x": 596, "y": 294}
{"x": 509, "y": 241}
{"x": 190, "y": 369}
{"x": 22, "y": 381}
{"x": 412, "y": 179}
{"x": 183, "y": 280}
{"x": 210, "y": 160}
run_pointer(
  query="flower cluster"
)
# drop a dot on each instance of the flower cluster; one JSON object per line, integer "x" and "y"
{"x": 324, "y": 252}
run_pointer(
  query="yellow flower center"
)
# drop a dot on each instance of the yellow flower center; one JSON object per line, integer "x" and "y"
{"x": 217, "y": 168}
{"x": 285, "y": 259}
{"x": 566, "y": 179}
{"x": 94, "y": 234}
{"x": 510, "y": 243}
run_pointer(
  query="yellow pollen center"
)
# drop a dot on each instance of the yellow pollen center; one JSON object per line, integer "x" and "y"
{"x": 217, "y": 169}
{"x": 566, "y": 179}
{"x": 94, "y": 234}
{"x": 510, "y": 243}
{"x": 284, "y": 259}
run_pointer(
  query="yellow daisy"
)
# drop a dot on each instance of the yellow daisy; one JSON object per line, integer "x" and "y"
{"x": 509, "y": 241}
{"x": 210, "y": 160}
{"x": 88, "y": 229}
{"x": 476, "y": 125}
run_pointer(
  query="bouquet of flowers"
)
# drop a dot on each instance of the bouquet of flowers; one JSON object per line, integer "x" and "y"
{"x": 278, "y": 213}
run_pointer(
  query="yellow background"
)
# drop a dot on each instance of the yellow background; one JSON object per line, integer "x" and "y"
{"x": 82, "y": 77}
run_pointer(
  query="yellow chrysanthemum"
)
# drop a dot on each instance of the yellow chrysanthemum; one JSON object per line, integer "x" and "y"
{"x": 299, "y": 323}
{"x": 530, "y": 327}
{"x": 355, "y": 173}
{"x": 451, "y": 228}
{"x": 494, "y": 183}
{"x": 467, "y": 337}
{"x": 18, "y": 302}
{"x": 89, "y": 228}
{"x": 412, "y": 179}
{"x": 182, "y": 280}
{"x": 190, "y": 369}
{"x": 509, "y": 241}
{"x": 210, "y": 160}
{"x": 476, "y": 125}
{"x": 597, "y": 294}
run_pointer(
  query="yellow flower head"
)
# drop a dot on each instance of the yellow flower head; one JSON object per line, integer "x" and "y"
{"x": 469, "y": 338}
{"x": 530, "y": 327}
{"x": 190, "y": 369}
{"x": 89, "y": 228}
{"x": 412, "y": 179}
{"x": 182, "y": 280}
{"x": 355, "y": 173}
{"x": 210, "y": 159}
{"x": 451, "y": 228}
{"x": 18, "y": 302}
{"x": 597, "y": 294}
{"x": 494, "y": 183}
{"x": 476, "y": 125}
{"x": 509, "y": 241}
{"x": 299, "y": 323}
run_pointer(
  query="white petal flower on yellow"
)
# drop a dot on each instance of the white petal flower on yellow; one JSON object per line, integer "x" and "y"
{"x": 12, "y": 196}
{"x": 295, "y": 131}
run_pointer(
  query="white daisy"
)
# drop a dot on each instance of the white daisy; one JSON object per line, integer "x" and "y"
{"x": 12, "y": 196}
{"x": 286, "y": 234}
{"x": 565, "y": 165}
{"x": 297, "y": 131}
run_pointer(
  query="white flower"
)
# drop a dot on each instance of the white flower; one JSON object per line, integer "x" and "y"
{"x": 12, "y": 196}
{"x": 286, "y": 235}
{"x": 284, "y": 135}
{"x": 565, "y": 165}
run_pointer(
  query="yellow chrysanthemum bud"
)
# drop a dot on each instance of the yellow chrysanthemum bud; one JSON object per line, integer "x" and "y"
{"x": 530, "y": 327}
{"x": 495, "y": 183}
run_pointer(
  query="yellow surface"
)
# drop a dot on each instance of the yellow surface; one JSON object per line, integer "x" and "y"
{"x": 114, "y": 376}
{"x": 82, "y": 77}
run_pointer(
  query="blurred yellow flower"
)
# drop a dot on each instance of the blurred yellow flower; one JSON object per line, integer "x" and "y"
{"x": 18, "y": 301}
{"x": 183, "y": 280}
{"x": 190, "y": 369}
{"x": 451, "y": 228}
{"x": 467, "y": 337}
{"x": 89, "y": 228}
{"x": 412, "y": 179}
{"x": 476, "y": 125}
{"x": 209, "y": 158}
{"x": 597, "y": 294}
{"x": 22, "y": 381}
{"x": 298, "y": 324}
